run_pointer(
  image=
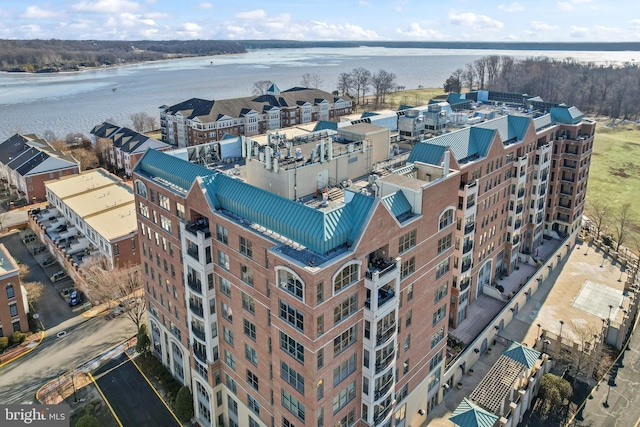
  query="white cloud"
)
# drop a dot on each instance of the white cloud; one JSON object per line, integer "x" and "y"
{"x": 415, "y": 31}
{"x": 189, "y": 29}
{"x": 511, "y": 7}
{"x": 251, "y": 15}
{"x": 106, "y": 6}
{"x": 204, "y": 5}
{"x": 635, "y": 24}
{"x": 477, "y": 22}
{"x": 578, "y": 32}
{"x": 539, "y": 26}
{"x": 34, "y": 12}
{"x": 565, "y": 5}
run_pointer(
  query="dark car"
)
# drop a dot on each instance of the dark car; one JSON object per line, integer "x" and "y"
{"x": 74, "y": 299}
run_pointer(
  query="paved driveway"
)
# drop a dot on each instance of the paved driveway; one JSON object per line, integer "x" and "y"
{"x": 134, "y": 401}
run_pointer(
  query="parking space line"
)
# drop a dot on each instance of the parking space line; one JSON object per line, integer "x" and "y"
{"x": 154, "y": 389}
{"x": 105, "y": 399}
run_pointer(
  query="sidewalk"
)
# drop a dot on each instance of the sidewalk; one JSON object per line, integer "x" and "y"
{"x": 26, "y": 347}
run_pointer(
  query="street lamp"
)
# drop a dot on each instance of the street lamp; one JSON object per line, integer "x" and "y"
{"x": 539, "y": 326}
{"x": 561, "y": 325}
{"x": 73, "y": 384}
{"x": 610, "y": 307}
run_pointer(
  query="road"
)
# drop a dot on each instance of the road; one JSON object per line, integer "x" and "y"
{"x": 13, "y": 218}
{"x": 85, "y": 338}
{"x": 130, "y": 395}
{"x": 616, "y": 402}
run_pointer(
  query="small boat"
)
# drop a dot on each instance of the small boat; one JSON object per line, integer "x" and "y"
{"x": 115, "y": 89}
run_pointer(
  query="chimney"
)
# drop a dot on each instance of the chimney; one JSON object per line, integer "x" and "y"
{"x": 446, "y": 163}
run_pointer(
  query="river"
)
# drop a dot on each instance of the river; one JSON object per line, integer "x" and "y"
{"x": 76, "y": 102}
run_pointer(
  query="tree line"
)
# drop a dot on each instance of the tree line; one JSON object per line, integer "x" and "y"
{"x": 360, "y": 81}
{"x": 602, "y": 89}
{"x": 72, "y": 55}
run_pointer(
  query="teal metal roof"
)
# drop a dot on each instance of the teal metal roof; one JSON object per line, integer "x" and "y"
{"x": 427, "y": 153}
{"x": 524, "y": 355}
{"x": 567, "y": 115}
{"x": 397, "y": 203}
{"x": 171, "y": 169}
{"x": 466, "y": 144}
{"x": 324, "y": 125}
{"x": 405, "y": 107}
{"x": 369, "y": 114}
{"x": 318, "y": 230}
{"x": 468, "y": 414}
{"x": 509, "y": 127}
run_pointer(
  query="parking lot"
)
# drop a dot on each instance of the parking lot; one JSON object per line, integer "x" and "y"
{"x": 133, "y": 400}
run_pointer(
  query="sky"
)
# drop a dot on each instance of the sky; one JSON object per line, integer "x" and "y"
{"x": 423, "y": 20}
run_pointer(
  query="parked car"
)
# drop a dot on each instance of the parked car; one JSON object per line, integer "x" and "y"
{"x": 58, "y": 275}
{"x": 37, "y": 249}
{"x": 74, "y": 299}
{"x": 48, "y": 261}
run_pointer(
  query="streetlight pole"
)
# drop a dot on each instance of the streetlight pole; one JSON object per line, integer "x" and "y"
{"x": 73, "y": 384}
{"x": 561, "y": 325}
{"x": 610, "y": 307}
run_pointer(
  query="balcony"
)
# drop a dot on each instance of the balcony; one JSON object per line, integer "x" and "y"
{"x": 196, "y": 308}
{"x": 565, "y": 205}
{"x": 385, "y": 296}
{"x": 464, "y": 284}
{"x": 544, "y": 177}
{"x": 466, "y": 265}
{"x": 382, "y": 415}
{"x": 193, "y": 252}
{"x": 194, "y": 284}
{"x": 518, "y": 224}
{"x": 566, "y": 191}
{"x": 383, "y": 390}
{"x": 468, "y": 228}
{"x": 200, "y": 225}
{"x": 198, "y": 332}
{"x": 567, "y": 165}
{"x": 467, "y": 247}
{"x": 383, "y": 364}
{"x": 567, "y": 178}
{"x": 380, "y": 267}
{"x": 471, "y": 203}
{"x": 574, "y": 151}
{"x": 515, "y": 240}
{"x": 384, "y": 336}
{"x": 200, "y": 355}
{"x": 564, "y": 218}
{"x": 520, "y": 193}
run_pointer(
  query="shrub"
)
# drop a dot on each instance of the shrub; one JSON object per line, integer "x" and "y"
{"x": 4, "y": 343}
{"x": 87, "y": 420}
{"x": 184, "y": 404}
{"x": 143, "y": 343}
{"x": 17, "y": 337}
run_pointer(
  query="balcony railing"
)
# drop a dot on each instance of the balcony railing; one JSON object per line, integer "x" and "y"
{"x": 382, "y": 415}
{"x": 519, "y": 209}
{"x": 384, "y": 336}
{"x": 466, "y": 265}
{"x": 471, "y": 203}
{"x": 194, "y": 284}
{"x": 200, "y": 355}
{"x": 567, "y": 192}
{"x": 194, "y": 227}
{"x": 381, "y": 267}
{"x": 385, "y": 296}
{"x": 515, "y": 240}
{"x": 198, "y": 332}
{"x": 193, "y": 252}
{"x": 468, "y": 228}
{"x": 568, "y": 178}
{"x": 518, "y": 224}
{"x": 383, "y": 364}
{"x": 196, "y": 308}
{"x": 520, "y": 193}
{"x": 464, "y": 284}
{"x": 544, "y": 177}
{"x": 384, "y": 389}
{"x": 467, "y": 247}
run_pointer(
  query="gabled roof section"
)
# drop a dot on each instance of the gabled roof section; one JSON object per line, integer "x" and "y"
{"x": 467, "y": 414}
{"x": 318, "y": 230}
{"x": 12, "y": 147}
{"x": 466, "y": 144}
{"x": 542, "y": 122}
{"x": 191, "y": 108}
{"x": 425, "y": 152}
{"x": 104, "y": 130}
{"x": 566, "y": 115}
{"x": 397, "y": 203}
{"x": 511, "y": 128}
{"x": 172, "y": 170}
{"x": 273, "y": 89}
{"x": 324, "y": 125}
{"x": 524, "y": 355}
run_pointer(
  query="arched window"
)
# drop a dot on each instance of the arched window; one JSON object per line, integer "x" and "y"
{"x": 141, "y": 189}
{"x": 290, "y": 282}
{"x": 345, "y": 278}
{"x": 446, "y": 218}
{"x": 10, "y": 293}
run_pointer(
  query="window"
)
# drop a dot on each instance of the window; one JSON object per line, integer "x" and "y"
{"x": 222, "y": 234}
{"x": 223, "y": 260}
{"x": 144, "y": 211}
{"x": 116, "y": 249}
{"x": 292, "y": 316}
{"x": 446, "y": 218}
{"x": 346, "y": 277}
{"x": 320, "y": 325}
{"x": 407, "y": 342}
{"x": 437, "y": 337}
{"x": 408, "y": 318}
{"x": 320, "y": 293}
{"x": 402, "y": 394}
{"x": 227, "y": 312}
{"x": 225, "y": 286}
{"x": 250, "y": 354}
{"x": 249, "y": 329}
{"x": 291, "y": 376}
{"x": 320, "y": 358}
{"x": 349, "y": 419}
{"x": 442, "y": 268}
{"x": 408, "y": 267}
{"x": 286, "y": 423}
{"x": 252, "y": 379}
{"x": 164, "y": 202}
{"x": 291, "y": 346}
{"x": 410, "y": 292}
{"x": 441, "y": 292}
{"x": 291, "y": 284}
{"x": 10, "y": 293}
{"x": 245, "y": 247}
{"x": 435, "y": 360}
{"x": 180, "y": 210}
{"x": 444, "y": 243}
{"x": 141, "y": 189}
{"x": 229, "y": 359}
{"x": 345, "y": 309}
{"x": 165, "y": 223}
{"x": 292, "y": 404}
{"x": 345, "y": 339}
{"x": 407, "y": 241}
{"x": 345, "y": 369}
{"x": 252, "y": 422}
{"x": 405, "y": 367}
{"x": 231, "y": 384}
{"x": 246, "y": 275}
{"x": 439, "y": 314}
{"x": 228, "y": 335}
{"x": 248, "y": 303}
{"x": 253, "y": 403}
{"x": 233, "y": 405}
{"x": 345, "y": 396}
{"x": 13, "y": 309}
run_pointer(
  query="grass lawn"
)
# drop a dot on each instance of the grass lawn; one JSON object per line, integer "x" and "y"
{"x": 614, "y": 175}
{"x": 414, "y": 97}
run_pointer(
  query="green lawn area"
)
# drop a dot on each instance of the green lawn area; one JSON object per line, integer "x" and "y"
{"x": 614, "y": 175}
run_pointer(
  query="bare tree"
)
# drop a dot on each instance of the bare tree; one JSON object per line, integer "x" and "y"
{"x": 142, "y": 121}
{"x": 480, "y": 67}
{"x": 102, "y": 148}
{"x": 59, "y": 144}
{"x": 493, "y": 69}
{"x": 75, "y": 138}
{"x": 87, "y": 158}
{"x": 311, "y": 80}
{"x": 580, "y": 360}
{"x": 599, "y": 213}
{"x": 382, "y": 82}
{"x": 469, "y": 76}
{"x": 261, "y": 87}
{"x": 119, "y": 287}
{"x": 35, "y": 290}
{"x": 622, "y": 223}
{"x": 361, "y": 82}
{"x": 345, "y": 83}
{"x": 48, "y": 135}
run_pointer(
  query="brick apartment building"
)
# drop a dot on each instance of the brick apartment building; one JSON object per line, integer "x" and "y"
{"x": 13, "y": 303}
{"x": 198, "y": 121}
{"x": 313, "y": 292}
